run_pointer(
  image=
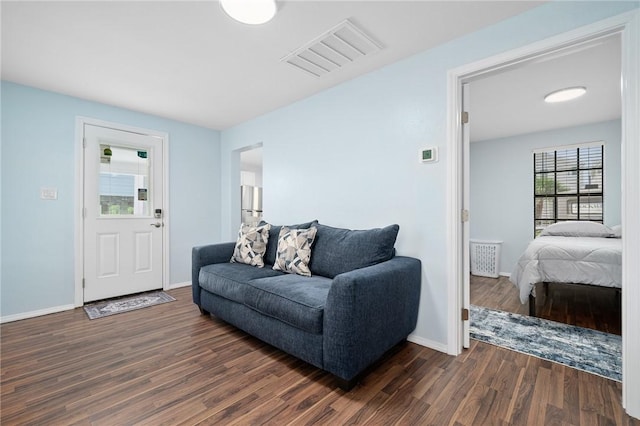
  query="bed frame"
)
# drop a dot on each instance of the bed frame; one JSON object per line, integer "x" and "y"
{"x": 532, "y": 299}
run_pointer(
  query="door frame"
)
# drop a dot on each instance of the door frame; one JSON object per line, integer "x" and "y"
{"x": 79, "y": 198}
{"x": 628, "y": 26}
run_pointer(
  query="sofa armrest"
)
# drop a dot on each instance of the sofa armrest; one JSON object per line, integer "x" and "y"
{"x": 368, "y": 311}
{"x": 207, "y": 255}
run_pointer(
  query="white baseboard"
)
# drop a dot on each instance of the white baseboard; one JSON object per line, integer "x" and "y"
{"x": 56, "y": 309}
{"x": 179, "y": 285}
{"x": 505, "y": 274}
{"x": 38, "y": 313}
{"x": 436, "y": 346}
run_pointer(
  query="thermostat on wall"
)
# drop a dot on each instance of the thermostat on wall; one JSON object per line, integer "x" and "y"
{"x": 429, "y": 155}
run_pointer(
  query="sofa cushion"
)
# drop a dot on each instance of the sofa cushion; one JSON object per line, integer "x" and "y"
{"x": 295, "y": 300}
{"x": 229, "y": 280}
{"x": 274, "y": 233}
{"x": 294, "y": 250}
{"x": 251, "y": 245}
{"x": 338, "y": 250}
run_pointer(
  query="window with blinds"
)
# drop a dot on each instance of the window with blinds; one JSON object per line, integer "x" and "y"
{"x": 568, "y": 185}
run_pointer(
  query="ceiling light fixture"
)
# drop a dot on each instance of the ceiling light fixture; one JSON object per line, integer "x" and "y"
{"x": 567, "y": 94}
{"x": 252, "y": 12}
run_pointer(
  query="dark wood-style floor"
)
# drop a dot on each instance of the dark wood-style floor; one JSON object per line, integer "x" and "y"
{"x": 592, "y": 307}
{"x": 168, "y": 365}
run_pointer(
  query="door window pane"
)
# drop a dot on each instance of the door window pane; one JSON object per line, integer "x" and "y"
{"x": 124, "y": 181}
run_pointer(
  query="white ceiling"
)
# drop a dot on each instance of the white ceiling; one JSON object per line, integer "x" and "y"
{"x": 512, "y": 102}
{"x": 190, "y": 62}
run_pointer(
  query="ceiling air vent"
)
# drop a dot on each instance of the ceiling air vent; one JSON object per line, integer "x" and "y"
{"x": 341, "y": 45}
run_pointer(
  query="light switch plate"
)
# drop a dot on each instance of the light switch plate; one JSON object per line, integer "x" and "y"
{"x": 429, "y": 155}
{"x": 49, "y": 193}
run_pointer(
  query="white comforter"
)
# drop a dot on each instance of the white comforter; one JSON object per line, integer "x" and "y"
{"x": 584, "y": 260}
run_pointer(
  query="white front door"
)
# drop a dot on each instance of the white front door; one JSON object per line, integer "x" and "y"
{"x": 123, "y": 202}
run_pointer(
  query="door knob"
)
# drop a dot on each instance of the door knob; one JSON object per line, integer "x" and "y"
{"x": 157, "y": 224}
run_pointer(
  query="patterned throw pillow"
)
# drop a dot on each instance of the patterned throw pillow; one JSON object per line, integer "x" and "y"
{"x": 251, "y": 245}
{"x": 294, "y": 250}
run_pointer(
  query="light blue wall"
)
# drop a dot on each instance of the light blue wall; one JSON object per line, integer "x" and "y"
{"x": 501, "y": 183}
{"x": 348, "y": 156}
{"x": 38, "y": 142}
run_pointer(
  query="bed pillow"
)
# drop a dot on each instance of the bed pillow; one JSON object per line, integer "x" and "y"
{"x": 251, "y": 245}
{"x": 294, "y": 250}
{"x": 616, "y": 231}
{"x": 577, "y": 229}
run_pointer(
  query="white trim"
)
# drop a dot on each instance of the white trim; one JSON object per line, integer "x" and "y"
{"x": 79, "y": 195}
{"x": 454, "y": 209}
{"x": 436, "y": 346}
{"x": 166, "y": 212}
{"x": 38, "y": 313}
{"x": 630, "y": 211}
{"x": 628, "y": 25}
{"x": 78, "y": 234}
{"x": 179, "y": 285}
{"x": 565, "y": 147}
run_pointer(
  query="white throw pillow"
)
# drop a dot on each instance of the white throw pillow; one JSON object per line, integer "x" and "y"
{"x": 294, "y": 250}
{"x": 251, "y": 245}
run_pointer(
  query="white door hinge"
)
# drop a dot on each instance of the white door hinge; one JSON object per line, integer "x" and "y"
{"x": 465, "y": 216}
{"x": 464, "y": 117}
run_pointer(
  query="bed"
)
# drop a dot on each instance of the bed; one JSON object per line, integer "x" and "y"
{"x": 570, "y": 252}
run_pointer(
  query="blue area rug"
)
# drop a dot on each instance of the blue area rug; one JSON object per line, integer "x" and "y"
{"x": 582, "y": 348}
{"x": 126, "y": 304}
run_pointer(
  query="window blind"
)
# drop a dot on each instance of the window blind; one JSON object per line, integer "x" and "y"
{"x": 568, "y": 184}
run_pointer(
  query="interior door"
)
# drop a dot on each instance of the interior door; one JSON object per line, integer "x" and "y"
{"x": 466, "y": 303}
{"x": 123, "y": 231}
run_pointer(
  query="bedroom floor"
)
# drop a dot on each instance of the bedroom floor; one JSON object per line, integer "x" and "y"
{"x": 584, "y": 306}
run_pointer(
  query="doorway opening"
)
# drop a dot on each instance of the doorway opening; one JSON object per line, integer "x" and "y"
{"x": 251, "y": 186}
{"x": 627, "y": 25}
{"x": 510, "y": 126}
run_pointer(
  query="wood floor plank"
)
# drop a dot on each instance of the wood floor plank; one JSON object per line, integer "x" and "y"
{"x": 592, "y": 307}
{"x": 540, "y": 397}
{"x": 467, "y": 411}
{"x": 524, "y": 393}
{"x": 556, "y": 387}
{"x": 505, "y": 380}
{"x": 169, "y": 365}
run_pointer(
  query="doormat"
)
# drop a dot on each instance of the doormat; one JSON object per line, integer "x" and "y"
{"x": 582, "y": 348}
{"x": 126, "y": 304}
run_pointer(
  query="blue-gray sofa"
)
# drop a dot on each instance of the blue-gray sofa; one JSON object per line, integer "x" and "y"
{"x": 359, "y": 302}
